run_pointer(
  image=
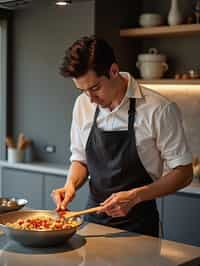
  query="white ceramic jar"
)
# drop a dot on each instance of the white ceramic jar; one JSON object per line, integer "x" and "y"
{"x": 152, "y": 65}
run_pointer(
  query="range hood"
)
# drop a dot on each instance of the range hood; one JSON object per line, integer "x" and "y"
{"x": 14, "y": 4}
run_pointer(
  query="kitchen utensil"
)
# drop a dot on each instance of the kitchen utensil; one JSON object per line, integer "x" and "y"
{"x": 197, "y": 11}
{"x": 10, "y": 142}
{"x": 15, "y": 155}
{"x": 11, "y": 204}
{"x": 150, "y": 20}
{"x": 20, "y": 141}
{"x": 72, "y": 214}
{"x": 36, "y": 238}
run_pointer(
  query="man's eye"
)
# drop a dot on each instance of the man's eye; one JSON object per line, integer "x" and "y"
{"x": 95, "y": 88}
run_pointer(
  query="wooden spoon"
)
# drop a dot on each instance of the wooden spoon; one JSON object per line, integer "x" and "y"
{"x": 10, "y": 143}
{"x": 72, "y": 214}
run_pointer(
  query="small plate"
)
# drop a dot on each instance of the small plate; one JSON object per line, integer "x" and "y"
{"x": 18, "y": 204}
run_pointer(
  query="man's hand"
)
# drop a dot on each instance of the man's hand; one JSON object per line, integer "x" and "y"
{"x": 119, "y": 204}
{"x": 63, "y": 196}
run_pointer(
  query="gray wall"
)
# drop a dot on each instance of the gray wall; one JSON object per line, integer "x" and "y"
{"x": 188, "y": 99}
{"x": 108, "y": 22}
{"x": 42, "y": 99}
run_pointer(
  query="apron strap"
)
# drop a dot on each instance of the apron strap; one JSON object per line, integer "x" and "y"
{"x": 131, "y": 115}
{"x": 95, "y": 116}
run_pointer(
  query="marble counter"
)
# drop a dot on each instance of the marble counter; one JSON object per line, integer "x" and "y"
{"x": 96, "y": 245}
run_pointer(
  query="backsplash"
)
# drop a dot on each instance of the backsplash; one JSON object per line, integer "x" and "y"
{"x": 187, "y": 98}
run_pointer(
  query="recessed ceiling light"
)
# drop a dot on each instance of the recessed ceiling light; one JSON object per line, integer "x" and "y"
{"x": 63, "y": 3}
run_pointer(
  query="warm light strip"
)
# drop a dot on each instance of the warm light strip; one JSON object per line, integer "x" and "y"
{"x": 173, "y": 88}
{"x": 63, "y": 3}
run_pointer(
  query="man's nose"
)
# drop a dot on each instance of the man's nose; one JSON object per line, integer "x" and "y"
{"x": 91, "y": 97}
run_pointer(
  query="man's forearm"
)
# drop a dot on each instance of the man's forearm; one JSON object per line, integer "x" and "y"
{"x": 169, "y": 183}
{"x": 77, "y": 174}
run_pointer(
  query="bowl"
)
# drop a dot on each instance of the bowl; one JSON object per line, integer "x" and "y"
{"x": 11, "y": 204}
{"x": 150, "y": 20}
{"x": 36, "y": 238}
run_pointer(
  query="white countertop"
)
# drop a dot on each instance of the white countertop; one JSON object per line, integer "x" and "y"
{"x": 59, "y": 169}
{"x": 50, "y": 168}
{"x": 193, "y": 188}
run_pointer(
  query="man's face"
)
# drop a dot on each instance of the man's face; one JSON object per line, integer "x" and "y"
{"x": 99, "y": 89}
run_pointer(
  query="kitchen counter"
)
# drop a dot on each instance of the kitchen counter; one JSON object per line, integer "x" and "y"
{"x": 49, "y": 168}
{"x": 59, "y": 169}
{"x": 193, "y": 188}
{"x": 96, "y": 245}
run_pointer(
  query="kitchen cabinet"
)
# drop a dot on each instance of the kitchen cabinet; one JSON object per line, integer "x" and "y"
{"x": 51, "y": 182}
{"x": 80, "y": 200}
{"x": 23, "y": 184}
{"x": 36, "y": 187}
{"x": 181, "y": 218}
{"x": 159, "y": 203}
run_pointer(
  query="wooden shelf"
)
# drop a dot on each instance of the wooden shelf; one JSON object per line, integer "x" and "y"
{"x": 161, "y": 31}
{"x": 170, "y": 81}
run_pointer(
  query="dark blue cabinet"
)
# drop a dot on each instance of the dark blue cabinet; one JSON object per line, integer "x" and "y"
{"x": 37, "y": 188}
{"x": 23, "y": 184}
{"x": 51, "y": 182}
{"x": 181, "y": 216}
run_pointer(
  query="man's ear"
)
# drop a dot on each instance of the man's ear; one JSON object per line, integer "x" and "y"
{"x": 114, "y": 70}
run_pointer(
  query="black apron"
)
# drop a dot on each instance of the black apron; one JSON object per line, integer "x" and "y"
{"x": 114, "y": 165}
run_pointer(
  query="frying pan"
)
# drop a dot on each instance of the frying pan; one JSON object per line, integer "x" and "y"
{"x": 36, "y": 238}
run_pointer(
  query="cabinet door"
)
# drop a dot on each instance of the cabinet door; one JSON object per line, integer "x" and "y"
{"x": 159, "y": 203}
{"x": 23, "y": 184}
{"x": 51, "y": 182}
{"x": 80, "y": 201}
{"x": 182, "y": 218}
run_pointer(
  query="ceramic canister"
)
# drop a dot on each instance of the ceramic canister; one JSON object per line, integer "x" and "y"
{"x": 152, "y": 65}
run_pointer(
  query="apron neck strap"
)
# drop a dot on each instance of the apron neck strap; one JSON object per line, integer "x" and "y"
{"x": 95, "y": 115}
{"x": 131, "y": 114}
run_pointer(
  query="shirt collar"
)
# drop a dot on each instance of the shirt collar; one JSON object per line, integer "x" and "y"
{"x": 133, "y": 89}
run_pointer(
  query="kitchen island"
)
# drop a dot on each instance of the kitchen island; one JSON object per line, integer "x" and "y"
{"x": 96, "y": 245}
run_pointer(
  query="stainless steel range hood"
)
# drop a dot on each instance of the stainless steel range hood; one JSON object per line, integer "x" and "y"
{"x": 14, "y": 4}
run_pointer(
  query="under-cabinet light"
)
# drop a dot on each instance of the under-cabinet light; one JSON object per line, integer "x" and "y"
{"x": 63, "y": 3}
{"x": 179, "y": 88}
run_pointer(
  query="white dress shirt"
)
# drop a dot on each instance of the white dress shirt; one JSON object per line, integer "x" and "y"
{"x": 160, "y": 138}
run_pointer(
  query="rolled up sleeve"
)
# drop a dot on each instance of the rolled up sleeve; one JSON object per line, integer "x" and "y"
{"x": 171, "y": 139}
{"x": 77, "y": 147}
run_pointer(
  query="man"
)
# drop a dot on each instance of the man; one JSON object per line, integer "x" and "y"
{"x": 128, "y": 139}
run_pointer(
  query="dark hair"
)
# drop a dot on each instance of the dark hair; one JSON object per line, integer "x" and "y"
{"x": 88, "y": 53}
